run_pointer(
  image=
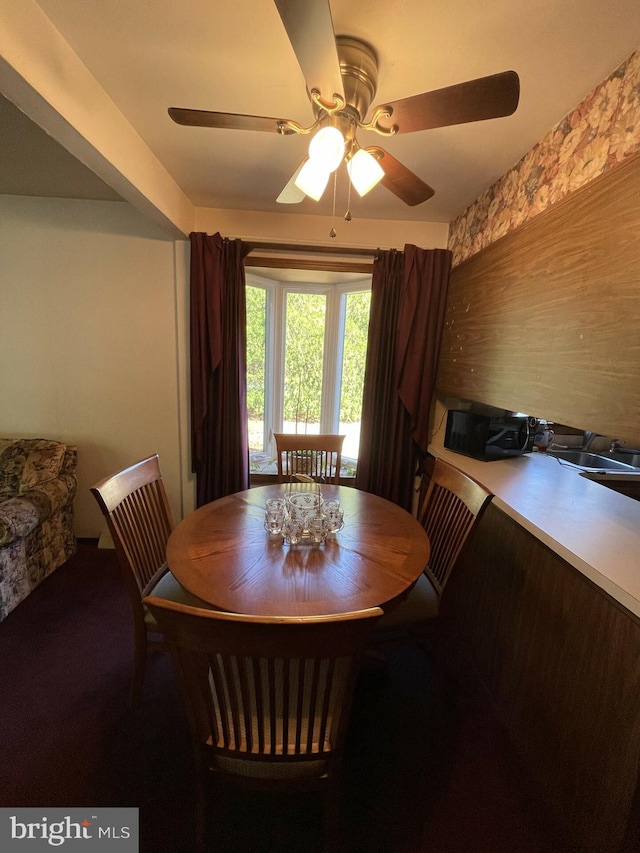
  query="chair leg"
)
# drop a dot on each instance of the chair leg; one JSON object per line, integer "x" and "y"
{"x": 332, "y": 816}
{"x": 200, "y": 824}
{"x": 139, "y": 666}
{"x": 202, "y": 778}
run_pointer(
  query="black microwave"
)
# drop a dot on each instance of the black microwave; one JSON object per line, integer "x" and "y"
{"x": 487, "y": 436}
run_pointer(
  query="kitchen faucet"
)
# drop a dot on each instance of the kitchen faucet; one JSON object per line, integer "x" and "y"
{"x": 587, "y": 438}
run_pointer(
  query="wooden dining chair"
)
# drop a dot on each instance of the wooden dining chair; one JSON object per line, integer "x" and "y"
{"x": 451, "y": 508}
{"x": 268, "y": 698}
{"x": 135, "y": 505}
{"x": 317, "y": 456}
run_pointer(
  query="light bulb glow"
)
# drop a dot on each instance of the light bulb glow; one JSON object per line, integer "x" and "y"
{"x": 364, "y": 171}
{"x": 327, "y": 148}
{"x": 312, "y": 180}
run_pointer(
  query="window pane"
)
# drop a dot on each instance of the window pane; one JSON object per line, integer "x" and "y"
{"x": 356, "y": 328}
{"x": 256, "y": 355}
{"x": 303, "y": 360}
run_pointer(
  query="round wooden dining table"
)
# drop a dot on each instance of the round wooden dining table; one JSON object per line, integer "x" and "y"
{"x": 222, "y": 554}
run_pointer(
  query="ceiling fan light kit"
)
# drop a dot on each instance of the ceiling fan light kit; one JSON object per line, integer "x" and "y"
{"x": 341, "y": 75}
{"x": 365, "y": 172}
{"x": 327, "y": 148}
{"x": 312, "y": 180}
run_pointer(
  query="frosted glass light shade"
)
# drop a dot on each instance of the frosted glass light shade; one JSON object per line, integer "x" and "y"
{"x": 327, "y": 148}
{"x": 312, "y": 180}
{"x": 364, "y": 171}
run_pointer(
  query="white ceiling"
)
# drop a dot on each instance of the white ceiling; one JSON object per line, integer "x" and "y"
{"x": 235, "y": 57}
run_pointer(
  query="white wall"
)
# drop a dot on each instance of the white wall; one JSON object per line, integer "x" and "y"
{"x": 92, "y": 306}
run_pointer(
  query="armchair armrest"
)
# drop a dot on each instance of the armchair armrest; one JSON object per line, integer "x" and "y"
{"x": 21, "y": 514}
{"x": 18, "y": 518}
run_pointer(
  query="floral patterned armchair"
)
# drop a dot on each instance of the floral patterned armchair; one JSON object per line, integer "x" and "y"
{"x": 37, "y": 486}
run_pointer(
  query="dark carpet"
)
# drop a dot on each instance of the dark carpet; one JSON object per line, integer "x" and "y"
{"x": 426, "y": 769}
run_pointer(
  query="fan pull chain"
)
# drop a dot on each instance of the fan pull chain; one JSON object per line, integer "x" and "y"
{"x": 332, "y": 233}
{"x": 347, "y": 216}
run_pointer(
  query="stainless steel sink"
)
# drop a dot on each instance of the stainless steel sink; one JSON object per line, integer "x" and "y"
{"x": 629, "y": 457}
{"x": 594, "y": 461}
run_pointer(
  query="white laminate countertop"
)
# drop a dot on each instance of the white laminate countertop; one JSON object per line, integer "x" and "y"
{"x": 592, "y": 527}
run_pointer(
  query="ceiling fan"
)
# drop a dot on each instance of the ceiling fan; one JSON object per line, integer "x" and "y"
{"x": 341, "y": 75}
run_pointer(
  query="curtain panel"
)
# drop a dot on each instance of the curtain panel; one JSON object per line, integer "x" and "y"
{"x": 219, "y": 437}
{"x": 408, "y": 301}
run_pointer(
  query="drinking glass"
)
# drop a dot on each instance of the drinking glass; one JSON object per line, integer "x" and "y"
{"x": 273, "y": 521}
{"x": 335, "y": 520}
{"x": 293, "y": 529}
{"x": 318, "y": 528}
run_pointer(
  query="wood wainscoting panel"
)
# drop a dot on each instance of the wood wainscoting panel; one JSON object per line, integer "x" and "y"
{"x": 547, "y": 319}
{"x": 561, "y": 662}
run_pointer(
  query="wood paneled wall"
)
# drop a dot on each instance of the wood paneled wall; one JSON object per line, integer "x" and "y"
{"x": 561, "y": 662}
{"x": 547, "y": 319}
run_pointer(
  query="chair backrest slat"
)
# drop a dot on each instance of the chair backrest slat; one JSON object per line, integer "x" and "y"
{"x": 300, "y": 681}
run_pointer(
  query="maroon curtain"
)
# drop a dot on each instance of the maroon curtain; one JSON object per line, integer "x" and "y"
{"x": 408, "y": 300}
{"x": 219, "y": 439}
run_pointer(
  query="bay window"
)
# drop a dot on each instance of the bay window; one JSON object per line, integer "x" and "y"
{"x": 306, "y": 352}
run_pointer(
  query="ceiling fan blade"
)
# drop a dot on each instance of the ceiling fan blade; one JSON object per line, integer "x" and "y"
{"x": 476, "y": 100}
{"x": 291, "y": 194}
{"x": 310, "y": 29}
{"x": 233, "y": 121}
{"x": 399, "y": 180}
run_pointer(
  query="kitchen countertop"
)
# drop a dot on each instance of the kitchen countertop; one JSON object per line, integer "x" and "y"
{"x": 593, "y": 528}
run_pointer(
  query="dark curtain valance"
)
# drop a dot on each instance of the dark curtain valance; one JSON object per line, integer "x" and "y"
{"x": 219, "y": 440}
{"x": 408, "y": 300}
